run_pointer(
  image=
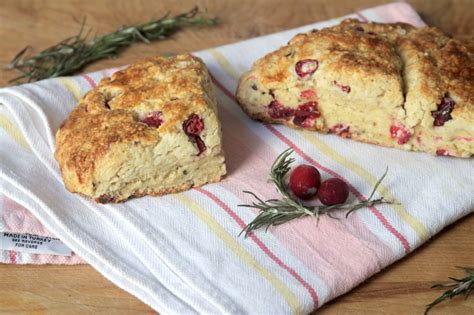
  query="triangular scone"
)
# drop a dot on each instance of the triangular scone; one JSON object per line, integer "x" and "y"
{"x": 351, "y": 80}
{"x": 439, "y": 82}
{"x": 150, "y": 129}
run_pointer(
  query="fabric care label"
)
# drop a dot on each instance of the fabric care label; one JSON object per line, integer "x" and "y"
{"x": 34, "y": 244}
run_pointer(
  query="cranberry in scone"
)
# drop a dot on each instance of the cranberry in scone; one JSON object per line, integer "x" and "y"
{"x": 192, "y": 127}
{"x": 153, "y": 119}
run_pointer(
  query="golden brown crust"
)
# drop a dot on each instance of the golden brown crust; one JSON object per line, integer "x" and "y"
{"x": 349, "y": 46}
{"x": 446, "y": 65}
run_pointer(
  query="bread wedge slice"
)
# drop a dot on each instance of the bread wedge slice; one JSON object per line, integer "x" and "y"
{"x": 150, "y": 129}
{"x": 369, "y": 82}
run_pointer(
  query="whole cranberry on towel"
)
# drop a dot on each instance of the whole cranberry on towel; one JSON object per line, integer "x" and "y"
{"x": 305, "y": 181}
{"x": 333, "y": 191}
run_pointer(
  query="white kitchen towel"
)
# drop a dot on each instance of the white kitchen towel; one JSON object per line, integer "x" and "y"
{"x": 181, "y": 253}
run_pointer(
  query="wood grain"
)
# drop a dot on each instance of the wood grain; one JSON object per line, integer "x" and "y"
{"x": 403, "y": 288}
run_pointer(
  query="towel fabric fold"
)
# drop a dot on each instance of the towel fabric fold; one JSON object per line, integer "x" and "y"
{"x": 180, "y": 253}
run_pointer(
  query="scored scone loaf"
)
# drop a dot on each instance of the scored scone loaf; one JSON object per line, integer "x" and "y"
{"x": 387, "y": 84}
{"x": 150, "y": 129}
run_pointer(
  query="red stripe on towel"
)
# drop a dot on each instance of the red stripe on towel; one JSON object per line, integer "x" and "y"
{"x": 260, "y": 244}
{"x": 12, "y": 255}
{"x": 89, "y": 80}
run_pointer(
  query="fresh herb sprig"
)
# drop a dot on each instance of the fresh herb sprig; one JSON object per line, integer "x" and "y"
{"x": 73, "y": 53}
{"x": 463, "y": 286}
{"x": 274, "y": 212}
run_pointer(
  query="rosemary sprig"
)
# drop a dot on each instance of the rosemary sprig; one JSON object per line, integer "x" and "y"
{"x": 459, "y": 287}
{"x": 73, "y": 53}
{"x": 274, "y": 212}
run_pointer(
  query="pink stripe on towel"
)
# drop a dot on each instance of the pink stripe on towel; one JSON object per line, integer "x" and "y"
{"x": 399, "y": 12}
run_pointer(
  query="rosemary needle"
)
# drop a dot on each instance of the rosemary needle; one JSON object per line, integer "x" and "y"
{"x": 73, "y": 53}
{"x": 463, "y": 286}
{"x": 274, "y": 212}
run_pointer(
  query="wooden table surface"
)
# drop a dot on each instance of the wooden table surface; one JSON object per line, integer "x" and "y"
{"x": 403, "y": 288}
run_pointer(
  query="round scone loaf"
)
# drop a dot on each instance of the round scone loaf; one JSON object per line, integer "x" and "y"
{"x": 387, "y": 84}
{"x": 150, "y": 129}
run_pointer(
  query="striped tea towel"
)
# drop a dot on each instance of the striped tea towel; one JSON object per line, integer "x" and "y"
{"x": 180, "y": 253}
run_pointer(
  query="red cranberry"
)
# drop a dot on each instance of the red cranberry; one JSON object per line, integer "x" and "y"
{"x": 344, "y": 88}
{"x": 305, "y": 181}
{"x": 200, "y": 144}
{"x": 305, "y": 113}
{"x": 443, "y": 112}
{"x": 278, "y": 111}
{"x": 442, "y": 152}
{"x": 333, "y": 191}
{"x": 153, "y": 119}
{"x": 105, "y": 199}
{"x": 400, "y": 133}
{"x": 464, "y": 139}
{"x": 193, "y": 125}
{"x": 308, "y": 94}
{"x": 341, "y": 130}
{"x": 306, "y": 67}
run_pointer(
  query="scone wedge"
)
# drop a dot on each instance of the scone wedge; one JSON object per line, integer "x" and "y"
{"x": 150, "y": 129}
{"x": 439, "y": 87}
{"x": 386, "y": 84}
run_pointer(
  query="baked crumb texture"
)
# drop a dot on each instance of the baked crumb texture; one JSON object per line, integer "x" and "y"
{"x": 386, "y": 84}
{"x": 150, "y": 129}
